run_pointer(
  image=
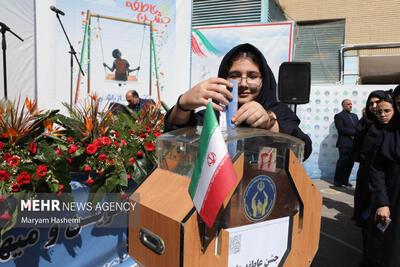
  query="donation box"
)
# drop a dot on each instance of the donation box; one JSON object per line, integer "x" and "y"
{"x": 271, "y": 218}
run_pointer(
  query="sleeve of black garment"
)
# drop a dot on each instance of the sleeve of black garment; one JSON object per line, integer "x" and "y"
{"x": 289, "y": 124}
{"x": 196, "y": 118}
{"x": 342, "y": 130}
{"x": 377, "y": 184}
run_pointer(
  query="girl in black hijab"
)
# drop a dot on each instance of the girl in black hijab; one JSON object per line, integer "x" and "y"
{"x": 257, "y": 103}
{"x": 384, "y": 183}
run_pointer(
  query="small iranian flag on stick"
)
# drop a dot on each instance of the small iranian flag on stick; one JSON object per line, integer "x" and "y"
{"x": 213, "y": 176}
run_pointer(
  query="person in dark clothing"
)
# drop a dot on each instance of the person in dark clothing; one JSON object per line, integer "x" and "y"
{"x": 345, "y": 123}
{"x": 257, "y": 103}
{"x": 365, "y": 142}
{"x": 121, "y": 66}
{"x": 396, "y": 97}
{"x": 135, "y": 102}
{"x": 384, "y": 182}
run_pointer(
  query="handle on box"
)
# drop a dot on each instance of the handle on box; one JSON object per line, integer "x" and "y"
{"x": 152, "y": 241}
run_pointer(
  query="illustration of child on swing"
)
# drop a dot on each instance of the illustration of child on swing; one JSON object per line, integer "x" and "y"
{"x": 121, "y": 66}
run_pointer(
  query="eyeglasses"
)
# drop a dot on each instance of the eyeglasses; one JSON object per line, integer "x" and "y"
{"x": 252, "y": 79}
{"x": 384, "y": 111}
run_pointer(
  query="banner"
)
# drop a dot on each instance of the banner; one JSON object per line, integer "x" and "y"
{"x": 210, "y": 44}
{"x": 317, "y": 120}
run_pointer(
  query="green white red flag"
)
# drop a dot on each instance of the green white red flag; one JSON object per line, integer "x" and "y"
{"x": 213, "y": 176}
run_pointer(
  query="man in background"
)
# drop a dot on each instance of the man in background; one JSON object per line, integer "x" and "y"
{"x": 345, "y": 123}
{"x": 135, "y": 103}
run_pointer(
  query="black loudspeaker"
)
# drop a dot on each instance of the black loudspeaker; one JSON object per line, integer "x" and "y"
{"x": 294, "y": 82}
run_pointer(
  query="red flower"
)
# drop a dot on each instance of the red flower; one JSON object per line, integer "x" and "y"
{"x": 1, "y": 145}
{"x": 58, "y": 151}
{"x": 23, "y": 178}
{"x": 69, "y": 160}
{"x": 87, "y": 168}
{"x": 106, "y": 141}
{"x": 5, "y": 217}
{"x": 4, "y": 175}
{"x": 131, "y": 160}
{"x": 91, "y": 149}
{"x": 124, "y": 195}
{"x": 32, "y": 148}
{"x": 111, "y": 161}
{"x": 116, "y": 134}
{"x": 149, "y": 146}
{"x": 131, "y": 132}
{"x": 89, "y": 181}
{"x": 2, "y": 199}
{"x": 61, "y": 187}
{"x": 7, "y": 156}
{"x": 137, "y": 120}
{"x": 13, "y": 161}
{"x": 128, "y": 176}
{"x": 142, "y": 136}
{"x": 139, "y": 155}
{"x": 102, "y": 157}
{"x": 72, "y": 149}
{"x": 70, "y": 140}
{"x": 157, "y": 133}
{"x": 101, "y": 171}
{"x": 123, "y": 141}
{"x": 41, "y": 171}
{"x": 97, "y": 143}
{"x": 116, "y": 144}
{"x": 59, "y": 193}
{"x": 147, "y": 129}
{"x": 15, "y": 187}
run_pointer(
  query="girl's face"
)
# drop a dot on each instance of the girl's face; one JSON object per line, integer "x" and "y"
{"x": 384, "y": 112}
{"x": 248, "y": 75}
{"x": 372, "y": 104}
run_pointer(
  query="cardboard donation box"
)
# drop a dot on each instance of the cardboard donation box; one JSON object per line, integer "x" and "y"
{"x": 272, "y": 218}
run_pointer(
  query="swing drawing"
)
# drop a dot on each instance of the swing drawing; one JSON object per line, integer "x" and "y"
{"x": 120, "y": 70}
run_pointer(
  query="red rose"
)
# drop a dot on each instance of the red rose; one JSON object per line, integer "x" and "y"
{"x": 123, "y": 141}
{"x": 111, "y": 161}
{"x": 59, "y": 193}
{"x": 91, "y": 149}
{"x": 132, "y": 160}
{"x": 116, "y": 134}
{"x": 157, "y": 134}
{"x": 131, "y": 132}
{"x": 102, "y": 157}
{"x": 61, "y": 187}
{"x": 15, "y": 187}
{"x": 7, "y": 156}
{"x": 1, "y": 145}
{"x": 142, "y": 136}
{"x": 106, "y": 141}
{"x": 41, "y": 171}
{"x": 13, "y": 161}
{"x": 147, "y": 129}
{"x": 97, "y": 143}
{"x": 87, "y": 168}
{"x": 89, "y": 181}
{"x": 72, "y": 149}
{"x": 58, "y": 151}
{"x": 5, "y": 217}
{"x": 149, "y": 146}
{"x": 32, "y": 148}
{"x": 23, "y": 178}
{"x": 101, "y": 171}
{"x": 137, "y": 120}
{"x": 116, "y": 144}
{"x": 4, "y": 175}
{"x": 139, "y": 155}
{"x": 70, "y": 140}
{"x": 124, "y": 195}
{"x": 128, "y": 176}
{"x": 69, "y": 160}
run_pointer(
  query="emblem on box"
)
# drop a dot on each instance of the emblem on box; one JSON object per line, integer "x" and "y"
{"x": 259, "y": 198}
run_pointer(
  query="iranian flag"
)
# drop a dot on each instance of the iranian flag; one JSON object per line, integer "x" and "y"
{"x": 213, "y": 176}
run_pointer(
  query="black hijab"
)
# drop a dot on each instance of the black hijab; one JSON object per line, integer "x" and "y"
{"x": 379, "y": 94}
{"x": 268, "y": 90}
{"x": 390, "y": 147}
